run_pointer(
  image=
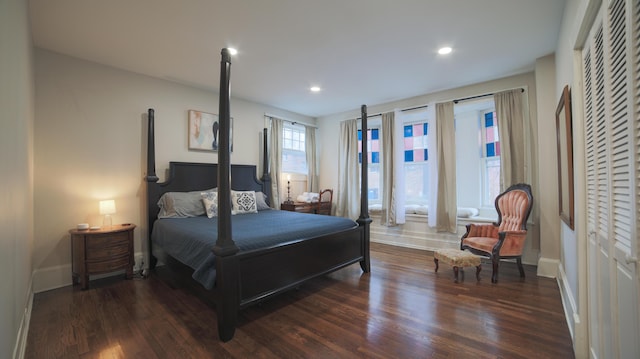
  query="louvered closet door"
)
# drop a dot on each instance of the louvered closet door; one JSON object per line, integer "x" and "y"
{"x": 612, "y": 146}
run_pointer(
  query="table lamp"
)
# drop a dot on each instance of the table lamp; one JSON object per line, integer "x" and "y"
{"x": 107, "y": 208}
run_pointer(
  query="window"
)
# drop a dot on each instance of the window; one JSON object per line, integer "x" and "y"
{"x": 477, "y": 156}
{"x": 416, "y": 170}
{"x": 491, "y": 159}
{"x": 294, "y": 158}
{"x": 373, "y": 156}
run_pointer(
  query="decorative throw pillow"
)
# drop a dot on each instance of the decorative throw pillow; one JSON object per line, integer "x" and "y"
{"x": 243, "y": 202}
{"x": 210, "y": 200}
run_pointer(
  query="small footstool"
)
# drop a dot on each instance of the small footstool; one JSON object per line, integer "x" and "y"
{"x": 458, "y": 259}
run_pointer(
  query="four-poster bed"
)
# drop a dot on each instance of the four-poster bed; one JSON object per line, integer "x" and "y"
{"x": 241, "y": 271}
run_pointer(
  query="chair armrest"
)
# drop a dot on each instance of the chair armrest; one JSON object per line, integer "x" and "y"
{"x": 512, "y": 242}
{"x": 481, "y": 230}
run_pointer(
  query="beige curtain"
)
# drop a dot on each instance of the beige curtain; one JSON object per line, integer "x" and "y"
{"x": 275, "y": 159}
{"x": 348, "y": 196}
{"x": 509, "y": 111}
{"x": 446, "y": 207}
{"x": 312, "y": 166}
{"x": 392, "y": 182}
{"x": 387, "y": 160}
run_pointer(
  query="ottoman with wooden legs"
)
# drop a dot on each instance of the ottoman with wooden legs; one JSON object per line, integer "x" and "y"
{"x": 458, "y": 259}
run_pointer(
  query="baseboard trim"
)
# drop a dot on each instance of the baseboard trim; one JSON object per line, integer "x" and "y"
{"x": 568, "y": 303}
{"x": 55, "y": 277}
{"x": 548, "y": 267}
{"x": 23, "y": 330}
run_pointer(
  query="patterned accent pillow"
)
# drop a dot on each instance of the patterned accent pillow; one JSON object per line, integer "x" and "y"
{"x": 243, "y": 202}
{"x": 210, "y": 200}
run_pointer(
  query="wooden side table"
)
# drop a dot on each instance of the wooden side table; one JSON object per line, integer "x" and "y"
{"x": 101, "y": 251}
{"x": 302, "y": 207}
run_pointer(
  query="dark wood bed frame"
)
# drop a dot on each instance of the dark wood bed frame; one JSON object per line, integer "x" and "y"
{"x": 248, "y": 277}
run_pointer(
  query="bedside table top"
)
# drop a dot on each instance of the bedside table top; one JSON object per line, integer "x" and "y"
{"x": 112, "y": 229}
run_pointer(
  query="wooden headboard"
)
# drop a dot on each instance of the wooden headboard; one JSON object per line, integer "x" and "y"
{"x": 189, "y": 176}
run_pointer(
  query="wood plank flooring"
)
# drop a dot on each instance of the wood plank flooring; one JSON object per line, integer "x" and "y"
{"x": 402, "y": 309}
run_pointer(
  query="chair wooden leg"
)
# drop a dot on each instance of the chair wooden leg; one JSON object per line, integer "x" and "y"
{"x": 436, "y": 261}
{"x": 478, "y": 269}
{"x": 494, "y": 275}
{"x": 455, "y": 274}
{"x": 520, "y": 267}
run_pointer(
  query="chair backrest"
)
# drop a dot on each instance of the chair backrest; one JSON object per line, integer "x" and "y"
{"x": 325, "y": 199}
{"x": 514, "y": 207}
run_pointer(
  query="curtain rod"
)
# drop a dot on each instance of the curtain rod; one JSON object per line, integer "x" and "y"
{"x": 478, "y": 96}
{"x": 403, "y": 110}
{"x": 290, "y": 121}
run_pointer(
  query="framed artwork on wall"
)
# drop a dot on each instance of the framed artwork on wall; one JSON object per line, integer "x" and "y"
{"x": 204, "y": 130}
{"x": 564, "y": 133}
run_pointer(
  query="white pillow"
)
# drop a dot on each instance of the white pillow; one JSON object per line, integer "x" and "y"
{"x": 210, "y": 200}
{"x": 466, "y": 212}
{"x": 243, "y": 202}
{"x": 424, "y": 210}
{"x": 411, "y": 208}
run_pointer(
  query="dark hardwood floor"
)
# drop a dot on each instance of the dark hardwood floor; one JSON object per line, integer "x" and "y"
{"x": 402, "y": 309}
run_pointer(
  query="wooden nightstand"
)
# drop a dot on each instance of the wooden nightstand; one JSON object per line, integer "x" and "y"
{"x": 101, "y": 251}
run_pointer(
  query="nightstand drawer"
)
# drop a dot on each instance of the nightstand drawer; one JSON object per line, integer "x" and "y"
{"x": 108, "y": 265}
{"x": 107, "y": 253}
{"x": 100, "y": 241}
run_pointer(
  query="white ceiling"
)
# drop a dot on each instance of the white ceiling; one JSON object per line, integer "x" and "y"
{"x": 359, "y": 51}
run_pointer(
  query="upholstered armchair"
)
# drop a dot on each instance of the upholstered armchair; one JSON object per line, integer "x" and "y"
{"x": 504, "y": 238}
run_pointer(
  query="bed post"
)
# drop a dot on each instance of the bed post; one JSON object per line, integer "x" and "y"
{"x": 266, "y": 179}
{"x": 364, "y": 219}
{"x": 150, "y": 178}
{"x": 227, "y": 270}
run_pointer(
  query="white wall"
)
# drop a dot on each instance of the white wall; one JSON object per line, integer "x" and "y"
{"x": 90, "y": 144}
{"x": 572, "y": 267}
{"x": 16, "y": 183}
{"x": 548, "y": 178}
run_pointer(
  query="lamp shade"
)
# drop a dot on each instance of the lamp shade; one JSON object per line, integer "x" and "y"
{"x": 108, "y": 207}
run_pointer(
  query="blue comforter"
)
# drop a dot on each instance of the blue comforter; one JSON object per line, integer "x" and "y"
{"x": 190, "y": 240}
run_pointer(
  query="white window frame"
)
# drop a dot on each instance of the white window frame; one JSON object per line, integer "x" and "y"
{"x": 294, "y": 146}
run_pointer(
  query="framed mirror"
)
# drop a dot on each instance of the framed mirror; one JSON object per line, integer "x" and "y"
{"x": 564, "y": 134}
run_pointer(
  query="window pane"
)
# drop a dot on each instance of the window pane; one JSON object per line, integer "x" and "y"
{"x": 294, "y": 159}
{"x": 374, "y": 182}
{"x": 294, "y": 162}
{"x": 492, "y": 180}
{"x": 416, "y": 183}
{"x": 415, "y": 168}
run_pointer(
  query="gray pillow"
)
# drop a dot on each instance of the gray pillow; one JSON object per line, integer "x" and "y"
{"x": 181, "y": 204}
{"x": 261, "y": 201}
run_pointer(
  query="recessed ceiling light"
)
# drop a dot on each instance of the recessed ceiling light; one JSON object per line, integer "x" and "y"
{"x": 444, "y": 50}
{"x": 315, "y": 89}
{"x": 232, "y": 51}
